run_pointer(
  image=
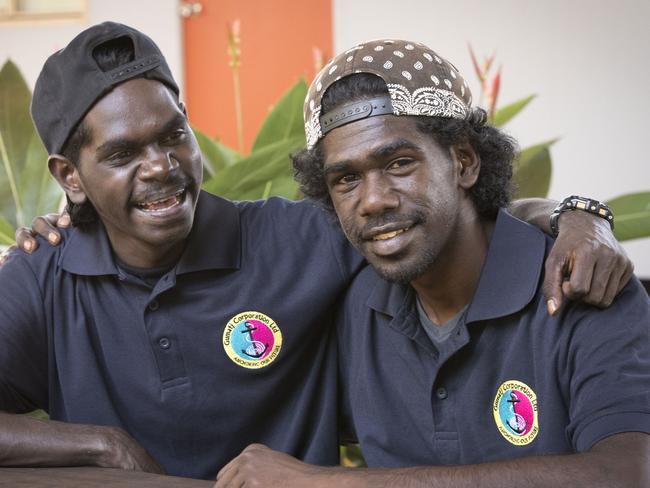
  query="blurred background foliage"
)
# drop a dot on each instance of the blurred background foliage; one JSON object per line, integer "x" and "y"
{"x": 27, "y": 190}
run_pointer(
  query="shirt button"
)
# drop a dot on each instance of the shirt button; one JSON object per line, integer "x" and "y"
{"x": 441, "y": 393}
{"x": 164, "y": 343}
{"x": 153, "y": 306}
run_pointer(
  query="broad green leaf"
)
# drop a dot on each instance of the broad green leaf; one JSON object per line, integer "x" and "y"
{"x": 249, "y": 178}
{"x": 39, "y": 192}
{"x": 285, "y": 119}
{"x": 532, "y": 171}
{"x": 6, "y": 232}
{"x": 216, "y": 156}
{"x": 15, "y": 122}
{"x": 631, "y": 215}
{"x": 11, "y": 207}
{"x": 503, "y": 115}
{"x": 26, "y": 163}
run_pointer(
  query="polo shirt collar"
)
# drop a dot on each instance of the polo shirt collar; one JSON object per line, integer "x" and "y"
{"x": 213, "y": 243}
{"x": 508, "y": 281}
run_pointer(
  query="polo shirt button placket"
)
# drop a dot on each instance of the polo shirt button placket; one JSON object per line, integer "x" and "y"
{"x": 164, "y": 343}
{"x": 153, "y": 306}
{"x": 441, "y": 393}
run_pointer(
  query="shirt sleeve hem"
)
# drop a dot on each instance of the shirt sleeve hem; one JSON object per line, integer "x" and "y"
{"x": 609, "y": 425}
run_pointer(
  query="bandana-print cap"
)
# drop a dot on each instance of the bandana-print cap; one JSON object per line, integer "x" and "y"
{"x": 419, "y": 82}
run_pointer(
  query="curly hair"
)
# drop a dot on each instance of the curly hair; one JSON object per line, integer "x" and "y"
{"x": 496, "y": 150}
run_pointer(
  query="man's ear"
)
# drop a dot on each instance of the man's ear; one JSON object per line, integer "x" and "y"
{"x": 467, "y": 163}
{"x": 67, "y": 176}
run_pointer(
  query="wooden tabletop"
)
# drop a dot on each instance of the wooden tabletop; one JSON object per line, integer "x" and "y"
{"x": 91, "y": 478}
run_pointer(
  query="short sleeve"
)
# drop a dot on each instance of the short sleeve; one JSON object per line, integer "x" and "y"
{"x": 23, "y": 338}
{"x": 609, "y": 362}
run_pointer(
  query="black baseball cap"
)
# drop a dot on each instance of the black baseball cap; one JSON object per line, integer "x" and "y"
{"x": 71, "y": 81}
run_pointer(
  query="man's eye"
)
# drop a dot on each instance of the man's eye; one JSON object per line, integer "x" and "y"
{"x": 175, "y": 136}
{"x": 347, "y": 179}
{"x": 120, "y": 156}
{"x": 400, "y": 163}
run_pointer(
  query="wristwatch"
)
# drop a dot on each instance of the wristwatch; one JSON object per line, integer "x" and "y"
{"x": 574, "y": 202}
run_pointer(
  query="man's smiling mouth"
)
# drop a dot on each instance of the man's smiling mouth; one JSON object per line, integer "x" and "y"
{"x": 165, "y": 203}
{"x": 389, "y": 235}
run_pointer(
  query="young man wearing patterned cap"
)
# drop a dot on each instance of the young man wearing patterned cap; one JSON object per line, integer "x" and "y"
{"x": 171, "y": 328}
{"x": 447, "y": 355}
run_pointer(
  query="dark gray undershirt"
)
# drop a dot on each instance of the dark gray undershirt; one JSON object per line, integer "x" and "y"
{"x": 439, "y": 333}
{"x": 149, "y": 276}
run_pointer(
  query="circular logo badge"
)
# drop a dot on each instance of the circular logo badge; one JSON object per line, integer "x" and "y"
{"x": 252, "y": 340}
{"x": 515, "y": 412}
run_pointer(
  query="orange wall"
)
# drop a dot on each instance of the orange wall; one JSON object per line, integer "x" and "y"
{"x": 277, "y": 41}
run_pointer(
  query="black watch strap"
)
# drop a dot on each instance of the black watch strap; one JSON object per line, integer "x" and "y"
{"x": 574, "y": 202}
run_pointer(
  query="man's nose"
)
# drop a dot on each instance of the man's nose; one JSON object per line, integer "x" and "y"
{"x": 377, "y": 196}
{"x": 158, "y": 164}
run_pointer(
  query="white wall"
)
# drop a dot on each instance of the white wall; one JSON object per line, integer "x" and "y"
{"x": 586, "y": 59}
{"x": 28, "y": 45}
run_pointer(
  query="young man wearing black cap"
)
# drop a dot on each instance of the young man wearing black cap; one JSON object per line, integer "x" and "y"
{"x": 447, "y": 354}
{"x": 171, "y": 327}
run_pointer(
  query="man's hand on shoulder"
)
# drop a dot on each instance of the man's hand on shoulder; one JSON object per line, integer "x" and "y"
{"x": 46, "y": 226}
{"x": 586, "y": 262}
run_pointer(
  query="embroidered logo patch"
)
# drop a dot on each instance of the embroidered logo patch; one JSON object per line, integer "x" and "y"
{"x": 252, "y": 340}
{"x": 515, "y": 412}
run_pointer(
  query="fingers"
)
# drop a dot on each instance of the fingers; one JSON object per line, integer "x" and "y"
{"x": 581, "y": 271}
{"x": 612, "y": 288}
{"x": 229, "y": 480}
{"x": 223, "y": 472}
{"x": 5, "y": 254}
{"x": 63, "y": 221}
{"x": 627, "y": 275}
{"x": 234, "y": 474}
{"x": 153, "y": 467}
{"x": 45, "y": 226}
{"x": 552, "y": 287}
{"x": 621, "y": 271}
{"x": 25, "y": 239}
{"x": 594, "y": 277}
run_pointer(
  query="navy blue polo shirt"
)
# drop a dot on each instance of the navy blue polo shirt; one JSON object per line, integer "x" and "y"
{"x": 228, "y": 348}
{"x": 510, "y": 382}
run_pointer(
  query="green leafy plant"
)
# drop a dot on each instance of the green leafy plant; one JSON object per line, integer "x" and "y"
{"x": 26, "y": 188}
{"x": 266, "y": 171}
{"x": 533, "y": 167}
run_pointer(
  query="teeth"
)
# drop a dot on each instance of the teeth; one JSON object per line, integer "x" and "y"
{"x": 388, "y": 235}
{"x": 163, "y": 203}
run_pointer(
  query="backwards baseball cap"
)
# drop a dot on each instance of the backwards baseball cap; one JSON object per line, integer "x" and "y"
{"x": 71, "y": 81}
{"x": 419, "y": 82}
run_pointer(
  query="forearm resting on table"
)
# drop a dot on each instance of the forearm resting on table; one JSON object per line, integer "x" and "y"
{"x": 28, "y": 441}
{"x": 622, "y": 460}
